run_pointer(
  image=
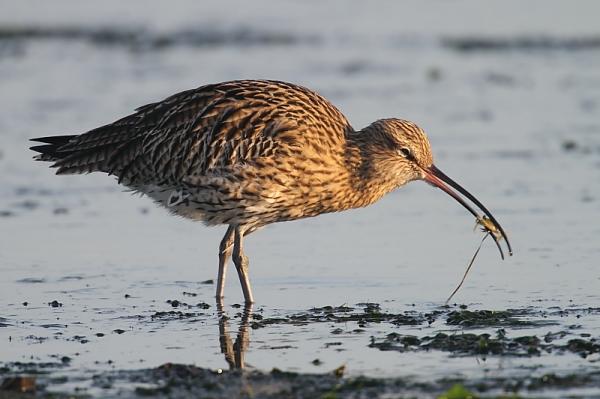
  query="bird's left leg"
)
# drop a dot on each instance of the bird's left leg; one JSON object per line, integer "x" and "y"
{"x": 241, "y": 262}
{"x": 224, "y": 253}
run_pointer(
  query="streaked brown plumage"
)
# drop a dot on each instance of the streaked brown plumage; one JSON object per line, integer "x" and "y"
{"x": 248, "y": 153}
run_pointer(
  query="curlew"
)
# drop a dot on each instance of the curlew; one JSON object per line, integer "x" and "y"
{"x": 248, "y": 153}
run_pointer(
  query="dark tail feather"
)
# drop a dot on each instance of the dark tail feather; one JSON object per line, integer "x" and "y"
{"x": 58, "y": 140}
{"x": 68, "y": 159}
{"x": 73, "y": 155}
{"x": 47, "y": 152}
{"x": 51, "y": 151}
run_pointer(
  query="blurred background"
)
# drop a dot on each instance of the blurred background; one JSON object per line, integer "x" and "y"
{"x": 508, "y": 91}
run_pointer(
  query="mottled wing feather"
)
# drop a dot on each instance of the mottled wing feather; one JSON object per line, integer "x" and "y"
{"x": 204, "y": 130}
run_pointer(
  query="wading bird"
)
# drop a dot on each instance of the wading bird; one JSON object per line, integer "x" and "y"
{"x": 248, "y": 153}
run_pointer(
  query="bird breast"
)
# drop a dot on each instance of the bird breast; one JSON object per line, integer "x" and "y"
{"x": 261, "y": 192}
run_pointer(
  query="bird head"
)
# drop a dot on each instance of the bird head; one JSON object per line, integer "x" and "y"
{"x": 402, "y": 151}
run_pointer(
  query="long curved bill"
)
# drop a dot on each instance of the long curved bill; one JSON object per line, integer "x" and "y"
{"x": 437, "y": 178}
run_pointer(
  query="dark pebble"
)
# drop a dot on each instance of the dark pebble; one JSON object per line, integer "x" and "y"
{"x": 119, "y": 331}
{"x": 55, "y": 304}
{"x": 31, "y": 280}
{"x": 28, "y": 204}
{"x": 569, "y": 145}
{"x": 434, "y": 74}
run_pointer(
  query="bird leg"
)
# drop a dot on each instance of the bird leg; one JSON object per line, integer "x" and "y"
{"x": 225, "y": 249}
{"x": 241, "y": 263}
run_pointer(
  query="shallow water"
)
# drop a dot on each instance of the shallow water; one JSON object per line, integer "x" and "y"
{"x": 518, "y": 125}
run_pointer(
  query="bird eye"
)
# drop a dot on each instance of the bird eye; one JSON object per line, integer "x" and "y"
{"x": 405, "y": 152}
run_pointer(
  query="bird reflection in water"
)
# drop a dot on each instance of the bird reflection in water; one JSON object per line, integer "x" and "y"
{"x": 234, "y": 351}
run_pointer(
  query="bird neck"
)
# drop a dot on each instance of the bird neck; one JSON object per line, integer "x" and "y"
{"x": 366, "y": 168}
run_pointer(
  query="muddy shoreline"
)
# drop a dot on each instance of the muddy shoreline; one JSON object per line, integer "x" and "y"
{"x": 460, "y": 332}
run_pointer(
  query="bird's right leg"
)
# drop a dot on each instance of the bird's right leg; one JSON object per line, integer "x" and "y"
{"x": 225, "y": 249}
{"x": 241, "y": 263}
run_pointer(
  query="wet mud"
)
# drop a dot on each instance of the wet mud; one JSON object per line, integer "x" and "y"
{"x": 474, "y": 44}
{"x": 148, "y": 40}
{"x": 454, "y": 330}
{"x": 485, "y": 344}
{"x": 187, "y": 381}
